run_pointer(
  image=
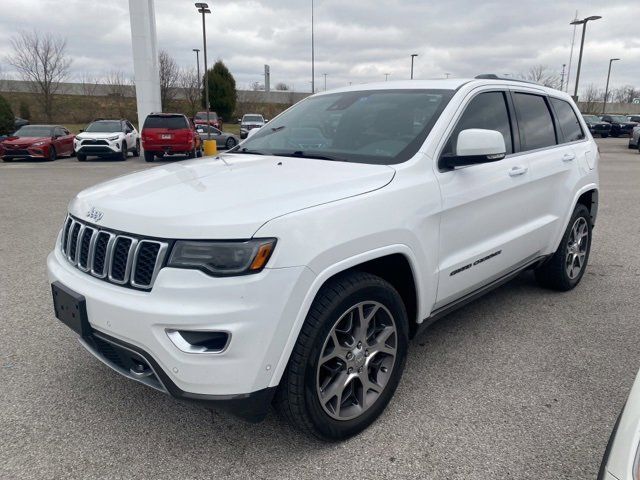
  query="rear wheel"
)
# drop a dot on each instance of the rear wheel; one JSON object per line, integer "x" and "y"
{"x": 148, "y": 156}
{"x": 136, "y": 151}
{"x": 192, "y": 153}
{"x": 348, "y": 359}
{"x": 564, "y": 270}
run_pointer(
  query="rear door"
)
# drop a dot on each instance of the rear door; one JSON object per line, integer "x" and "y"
{"x": 485, "y": 227}
{"x": 554, "y": 170}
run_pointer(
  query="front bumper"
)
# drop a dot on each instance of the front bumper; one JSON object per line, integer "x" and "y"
{"x": 257, "y": 310}
{"x": 98, "y": 148}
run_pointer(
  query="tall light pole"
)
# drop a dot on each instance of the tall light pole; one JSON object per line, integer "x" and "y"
{"x": 562, "y": 77}
{"x": 313, "y": 55}
{"x": 386, "y": 77}
{"x": 413, "y": 55}
{"x": 606, "y": 90}
{"x": 325, "y": 81}
{"x": 197, "y": 50}
{"x": 582, "y": 22}
{"x": 203, "y": 8}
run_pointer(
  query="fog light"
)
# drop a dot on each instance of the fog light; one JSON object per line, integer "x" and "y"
{"x": 199, "y": 341}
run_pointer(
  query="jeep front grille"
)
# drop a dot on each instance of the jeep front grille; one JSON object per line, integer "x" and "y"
{"x": 127, "y": 260}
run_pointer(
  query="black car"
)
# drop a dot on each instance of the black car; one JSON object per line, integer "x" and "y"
{"x": 619, "y": 124}
{"x": 597, "y": 126}
{"x": 634, "y": 118}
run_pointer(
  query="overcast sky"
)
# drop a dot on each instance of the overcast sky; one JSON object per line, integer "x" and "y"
{"x": 356, "y": 40}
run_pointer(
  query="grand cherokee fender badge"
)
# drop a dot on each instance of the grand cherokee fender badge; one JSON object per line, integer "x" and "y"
{"x": 95, "y": 214}
{"x": 478, "y": 261}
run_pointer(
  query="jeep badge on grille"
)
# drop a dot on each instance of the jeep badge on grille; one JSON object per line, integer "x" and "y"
{"x": 95, "y": 214}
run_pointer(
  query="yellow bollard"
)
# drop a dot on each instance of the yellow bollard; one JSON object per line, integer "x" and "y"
{"x": 210, "y": 148}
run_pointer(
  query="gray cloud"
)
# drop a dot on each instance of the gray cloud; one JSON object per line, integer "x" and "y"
{"x": 356, "y": 41}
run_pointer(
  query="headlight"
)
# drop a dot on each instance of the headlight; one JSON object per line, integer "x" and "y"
{"x": 38, "y": 144}
{"x": 115, "y": 137}
{"x": 223, "y": 258}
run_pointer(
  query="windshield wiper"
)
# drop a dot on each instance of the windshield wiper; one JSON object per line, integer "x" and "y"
{"x": 301, "y": 154}
{"x": 245, "y": 150}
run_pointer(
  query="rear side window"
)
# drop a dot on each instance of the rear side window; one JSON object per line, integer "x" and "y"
{"x": 176, "y": 122}
{"x": 534, "y": 122}
{"x": 568, "y": 120}
{"x": 489, "y": 111}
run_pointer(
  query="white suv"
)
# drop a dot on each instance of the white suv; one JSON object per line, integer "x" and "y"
{"x": 107, "y": 138}
{"x": 296, "y": 268}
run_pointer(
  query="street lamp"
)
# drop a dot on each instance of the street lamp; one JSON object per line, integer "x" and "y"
{"x": 386, "y": 77}
{"x": 606, "y": 90}
{"x": 197, "y": 50}
{"x": 413, "y": 55}
{"x": 313, "y": 55}
{"x": 203, "y": 8}
{"x": 582, "y": 22}
{"x": 325, "y": 81}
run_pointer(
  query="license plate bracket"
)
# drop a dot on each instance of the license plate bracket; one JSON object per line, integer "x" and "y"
{"x": 71, "y": 309}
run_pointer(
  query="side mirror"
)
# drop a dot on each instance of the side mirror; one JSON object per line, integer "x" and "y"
{"x": 252, "y": 132}
{"x": 239, "y": 120}
{"x": 476, "y": 145}
{"x": 266, "y": 120}
{"x": 80, "y": 131}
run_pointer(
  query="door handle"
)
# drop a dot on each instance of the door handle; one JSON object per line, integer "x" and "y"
{"x": 567, "y": 157}
{"x": 516, "y": 171}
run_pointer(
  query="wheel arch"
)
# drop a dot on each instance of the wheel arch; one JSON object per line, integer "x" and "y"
{"x": 588, "y": 196}
{"x": 395, "y": 264}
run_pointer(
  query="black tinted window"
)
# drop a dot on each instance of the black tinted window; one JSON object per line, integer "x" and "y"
{"x": 171, "y": 122}
{"x": 489, "y": 111}
{"x": 534, "y": 121}
{"x": 568, "y": 120}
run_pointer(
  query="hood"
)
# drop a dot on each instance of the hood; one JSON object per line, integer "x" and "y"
{"x": 224, "y": 197}
{"x": 24, "y": 140}
{"x": 96, "y": 135}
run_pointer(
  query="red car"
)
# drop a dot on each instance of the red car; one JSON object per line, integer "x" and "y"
{"x": 201, "y": 119}
{"x": 46, "y": 142}
{"x": 169, "y": 134}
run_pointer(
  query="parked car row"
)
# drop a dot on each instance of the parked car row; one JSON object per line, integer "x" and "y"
{"x": 611, "y": 125}
{"x": 162, "y": 134}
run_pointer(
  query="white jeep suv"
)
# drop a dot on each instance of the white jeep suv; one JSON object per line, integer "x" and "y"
{"x": 296, "y": 267}
{"x": 107, "y": 138}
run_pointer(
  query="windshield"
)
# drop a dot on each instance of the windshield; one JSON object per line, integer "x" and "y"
{"x": 591, "y": 118}
{"x": 170, "y": 122}
{"x": 203, "y": 116}
{"x": 104, "y": 127}
{"x": 372, "y": 126}
{"x": 252, "y": 118}
{"x": 34, "y": 131}
{"x": 618, "y": 118}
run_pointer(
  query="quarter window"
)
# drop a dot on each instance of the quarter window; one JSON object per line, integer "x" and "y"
{"x": 568, "y": 120}
{"x": 489, "y": 111}
{"x": 534, "y": 122}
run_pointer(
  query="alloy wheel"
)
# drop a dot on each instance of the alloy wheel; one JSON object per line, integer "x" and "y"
{"x": 356, "y": 360}
{"x": 577, "y": 248}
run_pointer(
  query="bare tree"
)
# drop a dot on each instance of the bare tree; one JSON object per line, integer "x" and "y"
{"x": 257, "y": 86}
{"x": 591, "y": 99}
{"x": 542, "y": 75}
{"x": 169, "y": 76}
{"x": 41, "y": 59}
{"x": 191, "y": 88}
{"x": 89, "y": 85}
{"x": 282, "y": 86}
{"x": 118, "y": 85}
{"x": 624, "y": 94}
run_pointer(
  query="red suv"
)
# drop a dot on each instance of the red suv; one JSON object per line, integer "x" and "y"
{"x": 169, "y": 134}
{"x": 214, "y": 120}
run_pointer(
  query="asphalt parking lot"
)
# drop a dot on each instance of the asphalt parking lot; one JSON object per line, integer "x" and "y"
{"x": 522, "y": 384}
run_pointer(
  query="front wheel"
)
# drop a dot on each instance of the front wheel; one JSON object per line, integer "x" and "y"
{"x": 81, "y": 157}
{"x": 122, "y": 156}
{"x": 231, "y": 142}
{"x": 564, "y": 270}
{"x": 348, "y": 360}
{"x": 52, "y": 154}
{"x": 604, "y": 135}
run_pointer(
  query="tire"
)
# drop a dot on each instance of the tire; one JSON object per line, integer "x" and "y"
{"x": 192, "y": 153}
{"x": 230, "y": 143}
{"x": 631, "y": 146}
{"x": 555, "y": 273}
{"x": 52, "y": 154}
{"x": 122, "y": 156}
{"x": 81, "y": 157}
{"x": 300, "y": 395}
{"x": 199, "y": 153}
{"x": 148, "y": 156}
{"x": 604, "y": 135}
{"x": 136, "y": 150}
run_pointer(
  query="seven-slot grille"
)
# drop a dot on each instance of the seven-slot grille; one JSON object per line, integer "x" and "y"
{"x": 118, "y": 258}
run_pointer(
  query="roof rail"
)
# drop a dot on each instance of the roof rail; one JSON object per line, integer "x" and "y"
{"x": 493, "y": 76}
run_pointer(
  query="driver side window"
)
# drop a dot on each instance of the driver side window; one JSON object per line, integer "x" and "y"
{"x": 488, "y": 111}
